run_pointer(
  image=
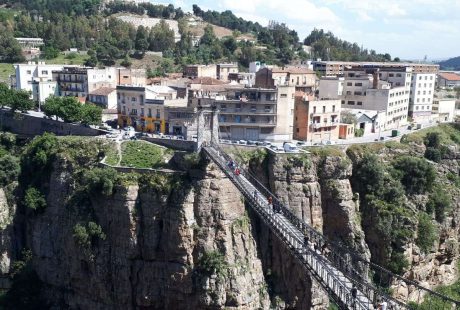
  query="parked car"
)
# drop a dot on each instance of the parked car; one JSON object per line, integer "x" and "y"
{"x": 290, "y": 148}
{"x": 250, "y": 142}
{"x": 243, "y": 142}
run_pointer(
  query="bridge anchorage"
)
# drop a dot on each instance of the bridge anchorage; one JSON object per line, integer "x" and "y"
{"x": 342, "y": 272}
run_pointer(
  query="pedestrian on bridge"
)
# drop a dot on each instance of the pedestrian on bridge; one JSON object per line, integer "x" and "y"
{"x": 354, "y": 294}
{"x": 256, "y": 196}
{"x": 270, "y": 202}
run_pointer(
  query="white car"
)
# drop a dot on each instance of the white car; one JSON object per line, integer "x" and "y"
{"x": 276, "y": 148}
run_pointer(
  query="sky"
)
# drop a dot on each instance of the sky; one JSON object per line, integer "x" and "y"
{"x": 409, "y": 29}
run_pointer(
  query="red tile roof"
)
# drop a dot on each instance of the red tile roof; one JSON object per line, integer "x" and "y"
{"x": 449, "y": 76}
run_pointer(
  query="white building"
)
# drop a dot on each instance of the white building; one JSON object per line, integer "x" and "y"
{"x": 421, "y": 96}
{"x": 26, "y": 74}
{"x": 444, "y": 109}
{"x": 256, "y": 66}
{"x": 380, "y": 89}
{"x": 43, "y": 88}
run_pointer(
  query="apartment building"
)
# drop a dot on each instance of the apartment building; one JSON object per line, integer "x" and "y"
{"x": 421, "y": 96}
{"x": 26, "y": 74}
{"x": 224, "y": 70}
{"x": 302, "y": 78}
{"x": 127, "y": 76}
{"x": 105, "y": 97}
{"x": 42, "y": 88}
{"x": 195, "y": 71}
{"x": 334, "y": 68}
{"x": 381, "y": 89}
{"x": 143, "y": 107}
{"x": 316, "y": 120}
{"x": 256, "y": 113}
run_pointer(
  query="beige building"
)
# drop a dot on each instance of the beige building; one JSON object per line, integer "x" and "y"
{"x": 316, "y": 120}
{"x": 224, "y": 70}
{"x": 105, "y": 97}
{"x": 302, "y": 78}
{"x": 256, "y": 114}
{"x": 194, "y": 71}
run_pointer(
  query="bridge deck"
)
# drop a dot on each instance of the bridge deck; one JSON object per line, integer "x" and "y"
{"x": 331, "y": 278}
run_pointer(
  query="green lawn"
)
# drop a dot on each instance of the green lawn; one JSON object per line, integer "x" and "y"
{"x": 66, "y": 60}
{"x": 111, "y": 154}
{"x": 449, "y": 133}
{"x": 140, "y": 154}
{"x": 5, "y": 71}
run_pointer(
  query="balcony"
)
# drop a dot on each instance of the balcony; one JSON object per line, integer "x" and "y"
{"x": 249, "y": 111}
{"x": 248, "y": 123}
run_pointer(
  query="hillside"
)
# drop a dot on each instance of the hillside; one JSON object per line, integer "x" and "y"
{"x": 450, "y": 64}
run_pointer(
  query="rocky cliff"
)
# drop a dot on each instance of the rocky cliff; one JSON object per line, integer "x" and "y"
{"x": 99, "y": 239}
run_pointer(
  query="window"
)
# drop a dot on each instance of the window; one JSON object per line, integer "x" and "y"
{"x": 142, "y": 111}
{"x": 314, "y": 109}
{"x": 419, "y": 77}
{"x": 238, "y": 107}
{"x": 358, "y": 93}
{"x": 29, "y": 72}
{"x": 44, "y": 71}
{"x": 398, "y": 75}
{"x": 158, "y": 113}
{"x": 283, "y": 96}
{"x": 267, "y": 108}
{"x": 358, "y": 84}
{"x": 333, "y": 108}
{"x": 360, "y": 103}
{"x": 133, "y": 99}
{"x": 351, "y": 102}
{"x": 343, "y": 101}
{"x": 150, "y": 112}
{"x": 426, "y": 78}
{"x": 324, "y": 109}
{"x": 297, "y": 129}
{"x": 253, "y": 108}
{"x": 349, "y": 84}
{"x": 431, "y": 78}
{"x": 348, "y": 92}
{"x": 391, "y": 75}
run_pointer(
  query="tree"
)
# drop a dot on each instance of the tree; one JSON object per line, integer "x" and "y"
{"x": 10, "y": 50}
{"x": 433, "y": 139}
{"x": 49, "y": 52}
{"x": 427, "y": 234}
{"x": 348, "y": 118}
{"x": 208, "y": 37}
{"x": 416, "y": 174}
{"x": 126, "y": 62}
{"x": 9, "y": 169}
{"x": 90, "y": 114}
{"x": 141, "y": 43}
{"x": 34, "y": 199}
{"x": 161, "y": 37}
{"x": 20, "y": 101}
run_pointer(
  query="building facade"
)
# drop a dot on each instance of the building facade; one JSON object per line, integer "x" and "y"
{"x": 421, "y": 96}
{"x": 26, "y": 74}
{"x": 105, "y": 97}
{"x": 379, "y": 89}
{"x": 302, "y": 78}
{"x": 316, "y": 120}
{"x": 224, "y": 70}
{"x": 195, "y": 71}
{"x": 257, "y": 114}
{"x": 444, "y": 110}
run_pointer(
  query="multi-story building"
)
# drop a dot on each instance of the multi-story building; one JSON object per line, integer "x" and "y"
{"x": 334, "y": 68}
{"x": 421, "y": 96}
{"x": 136, "y": 77}
{"x": 256, "y": 114}
{"x": 448, "y": 79}
{"x": 105, "y": 97}
{"x": 72, "y": 81}
{"x": 143, "y": 107}
{"x": 316, "y": 120}
{"x": 42, "y": 88}
{"x": 381, "y": 89}
{"x": 195, "y": 71}
{"x": 302, "y": 78}
{"x": 26, "y": 74}
{"x": 224, "y": 70}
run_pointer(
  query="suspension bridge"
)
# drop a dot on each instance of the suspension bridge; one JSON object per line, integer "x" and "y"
{"x": 349, "y": 279}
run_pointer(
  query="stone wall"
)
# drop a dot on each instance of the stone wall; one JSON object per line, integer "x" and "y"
{"x": 27, "y": 125}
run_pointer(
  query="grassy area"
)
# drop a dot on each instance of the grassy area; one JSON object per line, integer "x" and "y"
{"x": 449, "y": 133}
{"x": 74, "y": 59}
{"x": 111, "y": 154}
{"x": 141, "y": 154}
{"x": 5, "y": 71}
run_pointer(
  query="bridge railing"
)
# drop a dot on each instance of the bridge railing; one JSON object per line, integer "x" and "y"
{"x": 349, "y": 262}
{"x": 309, "y": 258}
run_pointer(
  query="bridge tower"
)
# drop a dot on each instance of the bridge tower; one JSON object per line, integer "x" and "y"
{"x": 207, "y": 126}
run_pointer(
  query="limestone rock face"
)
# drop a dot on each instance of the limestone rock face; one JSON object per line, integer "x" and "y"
{"x": 6, "y": 231}
{"x": 150, "y": 257}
